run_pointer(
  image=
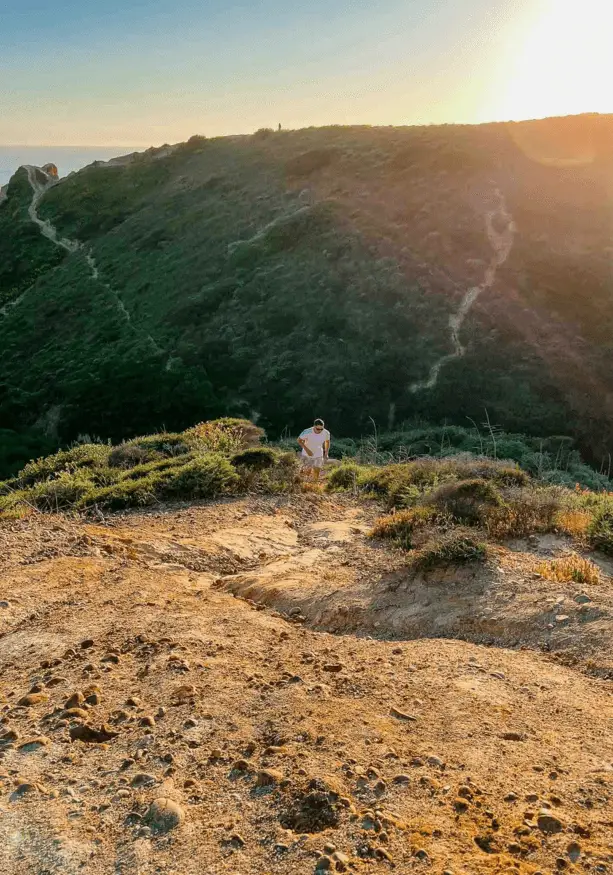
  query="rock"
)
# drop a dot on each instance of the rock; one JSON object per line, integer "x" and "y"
{"x": 341, "y": 860}
{"x": 184, "y": 693}
{"x": 142, "y": 779}
{"x": 87, "y": 643}
{"x": 324, "y": 864}
{"x": 22, "y": 789}
{"x": 75, "y": 713}
{"x": 127, "y": 763}
{"x": 268, "y": 777}
{"x": 421, "y": 855}
{"x": 8, "y": 737}
{"x": 164, "y": 814}
{"x": 147, "y": 720}
{"x": 34, "y": 744}
{"x": 216, "y": 754}
{"x": 581, "y": 598}
{"x": 241, "y": 766}
{"x": 513, "y": 736}
{"x": 465, "y": 792}
{"x": 33, "y": 699}
{"x": 436, "y": 761}
{"x": 383, "y": 854}
{"x": 111, "y": 657}
{"x": 74, "y": 701}
{"x": 236, "y": 840}
{"x": 56, "y": 681}
{"x": 333, "y": 667}
{"x": 190, "y": 723}
{"x": 89, "y": 735}
{"x": 133, "y": 702}
{"x": 401, "y": 715}
{"x": 511, "y": 797}
{"x": 574, "y": 851}
{"x": 461, "y": 805}
{"x": 401, "y": 779}
{"x": 548, "y": 823}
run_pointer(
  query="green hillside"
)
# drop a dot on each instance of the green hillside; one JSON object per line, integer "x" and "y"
{"x": 293, "y": 274}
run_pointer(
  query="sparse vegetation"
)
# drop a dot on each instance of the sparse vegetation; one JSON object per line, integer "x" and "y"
{"x": 456, "y": 547}
{"x": 402, "y": 526}
{"x": 572, "y": 568}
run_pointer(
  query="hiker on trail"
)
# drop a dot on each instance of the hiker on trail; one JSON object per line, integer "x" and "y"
{"x": 315, "y": 443}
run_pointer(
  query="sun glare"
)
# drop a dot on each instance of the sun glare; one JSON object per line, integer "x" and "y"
{"x": 564, "y": 66}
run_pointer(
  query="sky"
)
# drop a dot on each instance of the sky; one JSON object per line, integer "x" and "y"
{"x": 145, "y": 72}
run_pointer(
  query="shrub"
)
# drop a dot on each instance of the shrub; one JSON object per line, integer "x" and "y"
{"x": 573, "y": 522}
{"x": 128, "y": 456}
{"x": 158, "y": 466}
{"x": 225, "y": 435}
{"x": 573, "y": 568}
{"x": 60, "y": 493}
{"x": 82, "y": 456}
{"x": 346, "y": 476}
{"x": 401, "y": 527}
{"x": 467, "y": 500}
{"x": 452, "y": 548}
{"x": 308, "y": 162}
{"x": 125, "y": 494}
{"x": 256, "y": 458}
{"x": 203, "y": 477}
{"x": 600, "y": 530}
{"x": 525, "y": 512}
{"x": 164, "y": 443}
{"x": 263, "y": 133}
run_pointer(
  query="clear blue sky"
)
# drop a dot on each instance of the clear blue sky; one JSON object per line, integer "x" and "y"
{"x": 145, "y": 72}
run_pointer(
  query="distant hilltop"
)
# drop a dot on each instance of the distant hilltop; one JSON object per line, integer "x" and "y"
{"x": 445, "y": 274}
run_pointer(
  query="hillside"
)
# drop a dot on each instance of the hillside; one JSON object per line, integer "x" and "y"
{"x": 394, "y": 273}
{"x": 407, "y": 668}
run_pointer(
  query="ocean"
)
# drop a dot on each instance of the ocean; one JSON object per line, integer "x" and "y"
{"x": 66, "y": 158}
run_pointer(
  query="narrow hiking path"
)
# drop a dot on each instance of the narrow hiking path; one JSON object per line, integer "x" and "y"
{"x": 502, "y": 244}
{"x": 41, "y": 182}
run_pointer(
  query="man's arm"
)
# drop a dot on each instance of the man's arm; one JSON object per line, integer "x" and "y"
{"x": 303, "y": 444}
{"x": 326, "y": 448}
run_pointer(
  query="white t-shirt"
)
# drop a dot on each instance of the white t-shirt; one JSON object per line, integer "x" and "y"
{"x": 315, "y": 442}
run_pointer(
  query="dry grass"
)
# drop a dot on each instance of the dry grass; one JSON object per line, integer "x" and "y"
{"x": 574, "y": 522}
{"x": 571, "y": 568}
{"x": 525, "y": 512}
{"x": 401, "y": 527}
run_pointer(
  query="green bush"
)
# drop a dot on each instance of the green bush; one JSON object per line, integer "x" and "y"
{"x": 346, "y": 476}
{"x": 81, "y": 456}
{"x": 204, "y": 477}
{"x": 600, "y": 531}
{"x": 158, "y": 466}
{"x": 60, "y": 493}
{"x": 452, "y": 548}
{"x": 256, "y": 458}
{"x": 466, "y": 500}
{"x": 226, "y": 435}
{"x": 122, "y": 495}
{"x": 129, "y": 456}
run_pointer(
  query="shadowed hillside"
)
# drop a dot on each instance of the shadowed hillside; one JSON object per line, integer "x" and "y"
{"x": 393, "y": 273}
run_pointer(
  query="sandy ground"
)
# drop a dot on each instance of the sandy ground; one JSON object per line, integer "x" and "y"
{"x": 326, "y": 719}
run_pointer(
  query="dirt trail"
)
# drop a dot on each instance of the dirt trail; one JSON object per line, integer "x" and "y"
{"x": 502, "y": 244}
{"x": 279, "y": 745}
{"x": 40, "y": 183}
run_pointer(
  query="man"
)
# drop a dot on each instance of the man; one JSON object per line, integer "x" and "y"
{"x": 315, "y": 443}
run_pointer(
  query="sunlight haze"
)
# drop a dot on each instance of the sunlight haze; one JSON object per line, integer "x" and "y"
{"x": 160, "y": 70}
